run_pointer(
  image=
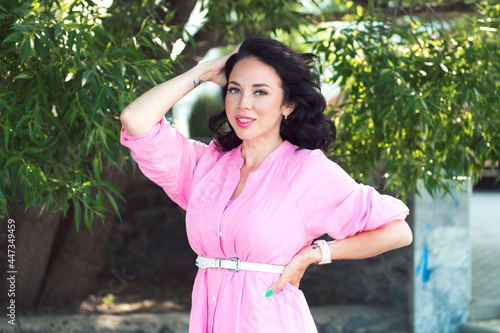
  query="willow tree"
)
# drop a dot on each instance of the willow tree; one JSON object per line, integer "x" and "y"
{"x": 421, "y": 94}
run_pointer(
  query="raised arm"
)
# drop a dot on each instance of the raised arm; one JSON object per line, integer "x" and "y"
{"x": 147, "y": 110}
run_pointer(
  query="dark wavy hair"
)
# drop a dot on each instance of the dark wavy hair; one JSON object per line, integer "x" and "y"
{"x": 307, "y": 126}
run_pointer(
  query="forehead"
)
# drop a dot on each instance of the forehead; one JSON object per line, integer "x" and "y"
{"x": 253, "y": 71}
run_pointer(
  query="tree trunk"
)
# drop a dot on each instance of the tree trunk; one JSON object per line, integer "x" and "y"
{"x": 55, "y": 264}
{"x": 78, "y": 256}
{"x": 35, "y": 235}
{"x": 76, "y": 259}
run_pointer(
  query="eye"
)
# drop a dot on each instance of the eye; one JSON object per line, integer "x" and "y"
{"x": 260, "y": 93}
{"x": 233, "y": 90}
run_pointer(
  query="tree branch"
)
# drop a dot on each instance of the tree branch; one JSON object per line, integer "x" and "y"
{"x": 204, "y": 40}
{"x": 415, "y": 10}
{"x": 183, "y": 9}
{"x": 211, "y": 36}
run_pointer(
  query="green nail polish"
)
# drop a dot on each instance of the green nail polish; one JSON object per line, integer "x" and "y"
{"x": 269, "y": 293}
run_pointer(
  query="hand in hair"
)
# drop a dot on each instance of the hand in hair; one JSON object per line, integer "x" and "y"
{"x": 216, "y": 67}
{"x": 147, "y": 110}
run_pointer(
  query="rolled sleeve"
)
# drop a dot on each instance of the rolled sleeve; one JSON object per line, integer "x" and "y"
{"x": 167, "y": 158}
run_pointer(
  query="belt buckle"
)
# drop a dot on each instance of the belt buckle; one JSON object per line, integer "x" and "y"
{"x": 237, "y": 261}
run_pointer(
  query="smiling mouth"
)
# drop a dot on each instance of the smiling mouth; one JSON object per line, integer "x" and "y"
{"x": 245, "y": 120}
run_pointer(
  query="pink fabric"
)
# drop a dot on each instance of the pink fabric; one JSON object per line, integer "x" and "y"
{"x": 293, "y": 197}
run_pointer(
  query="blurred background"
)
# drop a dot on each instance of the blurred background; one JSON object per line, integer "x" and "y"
{"x": 413, "y": 87}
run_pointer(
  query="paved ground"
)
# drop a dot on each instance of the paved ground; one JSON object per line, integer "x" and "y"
{"x": 485, "y": 238}
{"x": 329, "y": 319}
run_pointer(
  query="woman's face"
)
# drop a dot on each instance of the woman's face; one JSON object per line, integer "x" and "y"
{"x": 254, "y": 101}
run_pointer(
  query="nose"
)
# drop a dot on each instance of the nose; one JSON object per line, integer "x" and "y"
{"x": 245, "y": 101}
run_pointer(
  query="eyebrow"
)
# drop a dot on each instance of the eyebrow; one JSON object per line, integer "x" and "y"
{"x": 254, "y": 85}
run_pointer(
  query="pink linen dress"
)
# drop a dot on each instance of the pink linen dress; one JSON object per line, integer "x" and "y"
{"x": 294, "y": 196}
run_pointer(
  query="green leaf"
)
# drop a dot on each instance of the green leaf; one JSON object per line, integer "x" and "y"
{"x": 3, "y": 202}
{"x": 102, "y": 134}
{"x": 23, "y": 75}
{"x": 97, "y": 167}
{"x": 24, "y": 119}
{"x": 58, "y": 29}
{"x": 91, "y": 220}
{"x": 25, "y": 50}
{"x": 6, "y": 135}
{"x": 78, "y": 213}
{"x": 27, "y": 192}
{"x": 86, "y": 77}
{"x": 48, "y": 114}
{"x": 112, "y": 189}
{"x": 191, "y": 40}
{"x": 12, "y": 37}
{"x": 90, "y": 142}
{"x": 100, "y": 203}
{"x": 84, "y": 116}
{"x": 113, "y": 203}
{"x": 12, "y": 159}
{"x": 78, "y": 39}
{"x": 32, "y": 150}
{"x": 21, "y": 27}
{"x": 86, "y": 218}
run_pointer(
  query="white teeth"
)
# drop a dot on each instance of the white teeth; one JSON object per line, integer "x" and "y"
{"x": 244, "y": 120}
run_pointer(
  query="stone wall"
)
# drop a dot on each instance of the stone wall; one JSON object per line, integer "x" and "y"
{"x": 151, "y": 241}
{"x": 380, "y": 280}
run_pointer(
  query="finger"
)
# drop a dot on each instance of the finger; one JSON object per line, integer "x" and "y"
{"x": 236, "y": 49}
{"x": 276, "y": 287}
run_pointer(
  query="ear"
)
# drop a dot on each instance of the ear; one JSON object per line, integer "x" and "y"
{"x": 288, "y": 108}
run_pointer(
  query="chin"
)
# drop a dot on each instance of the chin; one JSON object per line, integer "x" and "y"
{"x": 244, "y": 137}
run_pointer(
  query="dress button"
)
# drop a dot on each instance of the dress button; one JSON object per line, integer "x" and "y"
{"x": 214, "y": 298}
{"x": 220, "y": 234}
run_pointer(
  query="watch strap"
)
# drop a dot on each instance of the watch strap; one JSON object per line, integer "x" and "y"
{"x": 326, "y": 256}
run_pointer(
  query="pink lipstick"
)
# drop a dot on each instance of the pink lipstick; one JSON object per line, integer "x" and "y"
{"x": 244, "y": 121}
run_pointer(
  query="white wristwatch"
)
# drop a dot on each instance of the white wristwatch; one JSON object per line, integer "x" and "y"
{"x": 326, "y": 256}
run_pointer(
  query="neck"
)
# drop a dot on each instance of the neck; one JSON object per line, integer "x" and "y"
{"x": 254, "y": 153}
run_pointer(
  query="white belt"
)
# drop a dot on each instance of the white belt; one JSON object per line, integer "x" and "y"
{"x": 234, "y": 265}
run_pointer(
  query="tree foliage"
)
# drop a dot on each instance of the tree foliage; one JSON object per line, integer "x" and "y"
{"x": 421, "y": 99}
{"x": 421, "y": 102}
{"x": 64, "y": 81}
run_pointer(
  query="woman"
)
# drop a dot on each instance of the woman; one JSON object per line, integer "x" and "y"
{"x": 258, "y": 195}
